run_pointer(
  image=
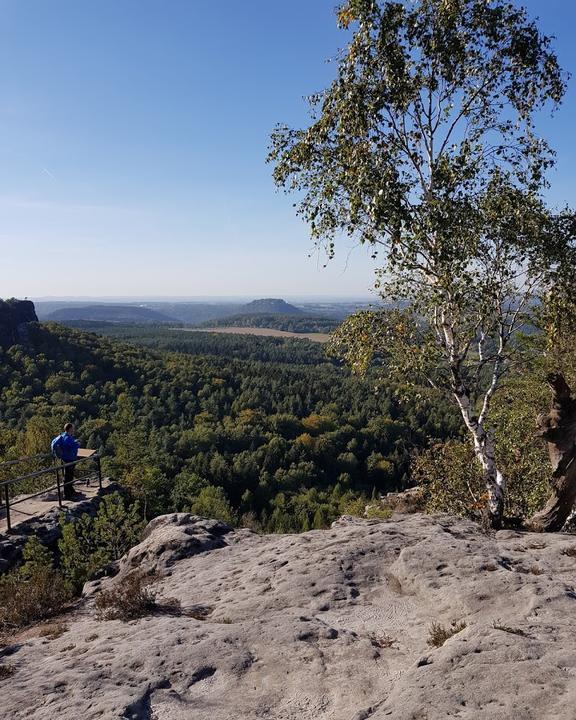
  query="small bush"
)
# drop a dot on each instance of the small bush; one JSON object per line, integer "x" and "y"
{"x": 381, "y": 641}
{"x": 89, "y": 544}
{"x": 33, "y": 592}
{"x": 438, "y": 634}
{"x": 53, "y": 631}
{"x": 6, "y": 671}
{"x": 378, "y": 511}
{"x": 129, "y": 600}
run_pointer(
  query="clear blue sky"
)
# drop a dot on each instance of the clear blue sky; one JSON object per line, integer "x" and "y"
{"x": 133, "y": 135}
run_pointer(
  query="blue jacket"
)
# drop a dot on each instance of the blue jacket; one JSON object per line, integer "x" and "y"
{"x": 66, "y": 447}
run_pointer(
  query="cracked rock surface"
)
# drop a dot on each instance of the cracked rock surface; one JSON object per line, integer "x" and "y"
{"x": 331, "y": 624}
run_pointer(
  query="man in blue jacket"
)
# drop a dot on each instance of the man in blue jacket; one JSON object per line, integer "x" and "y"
{"x": 65, "y": 447}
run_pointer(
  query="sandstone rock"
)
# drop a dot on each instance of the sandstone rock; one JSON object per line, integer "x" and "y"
{"x": 327, "y": 625}
{"x": 14, "y": 315}
{"x": 165, "y": 540}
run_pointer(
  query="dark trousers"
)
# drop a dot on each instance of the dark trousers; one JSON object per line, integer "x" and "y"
{"x": 69, "y": 482}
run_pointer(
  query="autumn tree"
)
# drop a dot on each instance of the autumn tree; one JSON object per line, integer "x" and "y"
{"x": 424, "y": 147}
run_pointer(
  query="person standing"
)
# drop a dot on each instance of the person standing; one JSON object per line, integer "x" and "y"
{"x": 65, "y": 447}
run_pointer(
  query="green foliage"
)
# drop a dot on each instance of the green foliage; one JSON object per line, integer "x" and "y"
{"x": 467, "y": 74}
{"x": 35, "y": 556}
{"x": 286, "y": 323}
{"x": 212, "y": 502}
{"x": 453, "y": 483}
{"x": 90, "y": 543}
{"x": 266, "y": 421}
{"x": 185, "y": 489}
{"x": 451, "y": 479}
{"x": 378, "y": 511}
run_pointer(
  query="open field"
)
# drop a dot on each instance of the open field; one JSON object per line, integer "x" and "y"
{"x": 267, "y": 332}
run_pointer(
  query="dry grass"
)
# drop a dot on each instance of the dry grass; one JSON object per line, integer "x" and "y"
{"x": 570, "y": 551}
{"x": 438, "y": 634}
{"x": 381, "y": 641}
{"x": 488, "y": 567}
{"x": 53, "y": 631}
{"x": 497, "y": 625}
{"x": 25, "y": 601}
{"x": 6, "y": 671}
{"x": 198, "y": 612}
{"x": 129, "y": 600}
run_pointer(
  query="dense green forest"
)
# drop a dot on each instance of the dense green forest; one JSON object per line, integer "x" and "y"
{"x": 289, "y": 323}
{"x": 265, "y": 349}
{"x": 260, "y": 431}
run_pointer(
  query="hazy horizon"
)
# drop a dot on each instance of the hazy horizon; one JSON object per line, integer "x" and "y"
{"x": 198, "y": 298}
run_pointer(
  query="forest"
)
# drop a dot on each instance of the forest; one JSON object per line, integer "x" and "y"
{"x": 262, "y": 432}
{"x": 289, "y": 323}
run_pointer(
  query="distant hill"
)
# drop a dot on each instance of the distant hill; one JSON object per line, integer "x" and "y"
{"x": 109, "y": 313}
{"x": 270, "y": 306}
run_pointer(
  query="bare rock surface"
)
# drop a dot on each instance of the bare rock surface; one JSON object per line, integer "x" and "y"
{"x": 327, "y": 625}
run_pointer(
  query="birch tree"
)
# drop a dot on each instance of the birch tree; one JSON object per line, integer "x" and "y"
{"x": 424, "y": 147}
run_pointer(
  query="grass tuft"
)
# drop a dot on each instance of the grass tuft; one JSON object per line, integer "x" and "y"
{"x": 438, "y": 634}
{"x": 129, "y": 600}
{"x": 6, "y": 671}
{"x": 497, "y": 625}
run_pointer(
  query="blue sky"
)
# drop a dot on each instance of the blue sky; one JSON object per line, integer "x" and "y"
{"x": 133, "y": 135}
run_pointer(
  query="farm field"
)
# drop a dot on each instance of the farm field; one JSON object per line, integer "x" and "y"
{"x": 266, "y": 332}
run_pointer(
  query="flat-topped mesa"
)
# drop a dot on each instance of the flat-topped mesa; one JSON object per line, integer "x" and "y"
{"x": 14, "y": 317}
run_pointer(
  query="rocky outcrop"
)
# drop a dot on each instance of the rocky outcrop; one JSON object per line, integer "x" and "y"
{"x": 327, "y": 625}
{"x": 14, "y": 316}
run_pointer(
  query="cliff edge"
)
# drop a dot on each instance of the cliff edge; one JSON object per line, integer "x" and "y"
{"x": 14, "y": 316}
{"x": 331, "y": 624}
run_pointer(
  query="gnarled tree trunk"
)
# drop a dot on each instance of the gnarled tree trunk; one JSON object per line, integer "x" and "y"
{"x": 558, "y": 428}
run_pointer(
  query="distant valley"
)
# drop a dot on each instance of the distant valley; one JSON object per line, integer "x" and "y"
{"x": 272, "y": 313}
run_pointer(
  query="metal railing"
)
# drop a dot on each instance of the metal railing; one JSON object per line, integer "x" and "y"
{"x": 57, "y": 468}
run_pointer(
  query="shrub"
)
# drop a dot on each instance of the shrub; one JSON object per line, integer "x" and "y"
{"x": 438, "y": 634}
{"x": 451, "y": 479}
{"x": 33, "y": 592}
{"x": 378, "y": 511}
{"x": 6, "y": 671}
{"x": 54, "y": 631}
{"x": 129, "y": 600}
{"x": 212, "y": 502}
{"x": 89, "y": 544}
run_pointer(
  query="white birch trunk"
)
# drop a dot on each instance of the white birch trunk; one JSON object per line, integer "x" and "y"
{"x": 485, "y": 453}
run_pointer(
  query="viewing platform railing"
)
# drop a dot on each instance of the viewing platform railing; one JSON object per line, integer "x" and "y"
{"x": 56, "y": 468}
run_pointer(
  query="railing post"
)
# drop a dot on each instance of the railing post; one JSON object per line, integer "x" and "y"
{"x": 58, "y": 486}
{"x": 99, "y": 471}
{"x": 7, "y": 500}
